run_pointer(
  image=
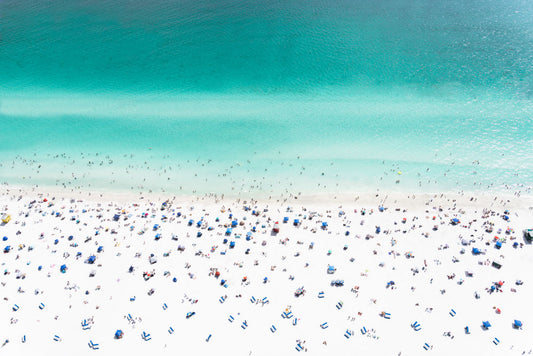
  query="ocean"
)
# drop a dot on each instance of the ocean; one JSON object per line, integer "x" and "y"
{"x": 262, "y": 98}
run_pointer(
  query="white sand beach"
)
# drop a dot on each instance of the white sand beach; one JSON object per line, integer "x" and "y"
{"x": 407, "y": 276}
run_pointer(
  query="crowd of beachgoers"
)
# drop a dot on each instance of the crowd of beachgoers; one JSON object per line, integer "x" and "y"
{"x": 383, "y": 274}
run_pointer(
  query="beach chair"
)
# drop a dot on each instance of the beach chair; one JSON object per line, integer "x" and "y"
{"x": 273, "y": 329}
{"x": 130, "y": 318}
{"x": 171, "y": 330}
{"x": 15, "y": 307}
{"x": 57, "y": 338}
{"x": 208, "y": 338}
{"x": 348, "y": 334}
{"x": 93, "y": 345}
{"x": 363, "y": 330}
{"x": 321, "y": 294}
{"x": 244, "y": 325}
{"x": 339, "y": 305}
{"x": 85, "y": 325}
{"x": 253, "y": 300}
{"x": 288, "y": 315}
{"x": 416, "y": 326}
{"x": 295, "y": 321}
{"x": 299, "y": 347}
{"x": 221, "y": 299}
{"x": 496, "y": 341}
{"x": 426, "y": 346}
{"x": 41, "y": 306}
{"x": 453, "y": 313}
{"x": 386, "y": 315}
{"x": 165, "y": 306}
{"x": 265, "y": 300}
{"x": 324, "y": 325}
{"x": 145, "y": 336}
{"x": 231, "y": 319}
{"x": 23, "y": 339}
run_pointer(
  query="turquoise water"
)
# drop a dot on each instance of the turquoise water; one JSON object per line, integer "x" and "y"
{"x": 267, "y": 97}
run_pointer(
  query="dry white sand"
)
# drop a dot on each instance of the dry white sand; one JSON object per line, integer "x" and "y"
{"x": 426, "y": 286}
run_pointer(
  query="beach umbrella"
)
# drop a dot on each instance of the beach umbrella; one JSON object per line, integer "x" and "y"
{"x": 517, "y": 324}
{"x": 486, "y": 324}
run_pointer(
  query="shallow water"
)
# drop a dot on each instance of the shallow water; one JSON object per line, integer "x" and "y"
{"x": 267, "y": 97}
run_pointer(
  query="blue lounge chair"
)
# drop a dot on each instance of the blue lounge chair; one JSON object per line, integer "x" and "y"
{"x": 221, "y": 299}
{"x": 288, "y": 315}
{"x": 165, "y": 306}
{"x": 253, "y": 300}
{"x": 295, "y": 321}
{"x": 208, "y": 338}
{"x": 145, "y": 336}
{"x": 265, "y": 300}
{"x": 299, "y": 347}
{"x": 57, "y": 338}
{"x": 496, "y": 341}
{"x": 85, "y": 325}
{"x": 15, "y": 307}
{"x": 324, "y": 325}
{"x": 171, "y": 330}
{"x": 132, "y": 299}
{"x": 244, "y": 325}
{"x": 321, "y": 294}
{"x": 273, "y": 329}
{"x": 130, "y": 318}
{"x": 23, "y": 339}
{"x": 426, "y": 346}
{"x": 363, "y": 330}
{"x": 416, "y": 325}
{"x": 386, "y": 315}
{"x": 41, "y": 306}
{"x": 339, "y": 305}
{"x": 453, "y": 313}
{"x": 231, "y": 319}
{"x": 347, "y": 333}
{"x": 93, "y": 345}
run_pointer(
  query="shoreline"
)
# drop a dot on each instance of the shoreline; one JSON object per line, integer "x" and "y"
{"x": 379, "y": 197}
